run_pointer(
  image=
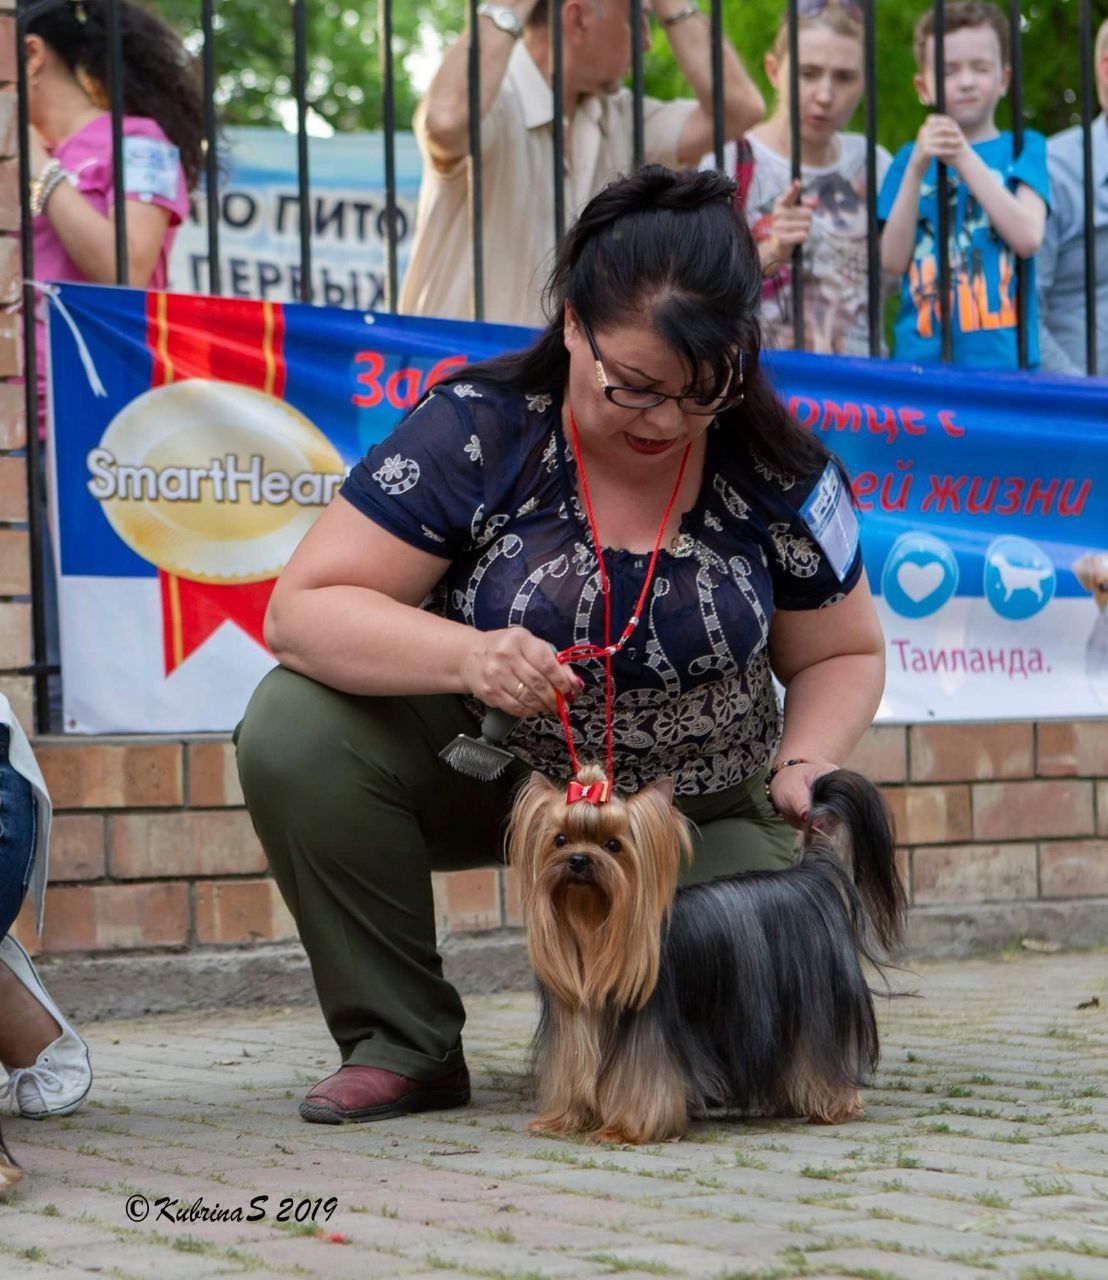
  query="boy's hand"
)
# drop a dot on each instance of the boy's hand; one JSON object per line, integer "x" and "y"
{"x": 940, "y": 138}
{"x": 791, "y": 223}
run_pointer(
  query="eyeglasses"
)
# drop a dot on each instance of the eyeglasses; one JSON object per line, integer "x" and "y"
{"x": 809, "y": 8}
{"x": 640, "y": 398}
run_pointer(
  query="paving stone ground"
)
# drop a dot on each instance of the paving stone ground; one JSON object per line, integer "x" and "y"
{"x": 983, "y": 1154}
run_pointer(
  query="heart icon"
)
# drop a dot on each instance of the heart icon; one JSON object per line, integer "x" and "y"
{"x": 918, "y": 581}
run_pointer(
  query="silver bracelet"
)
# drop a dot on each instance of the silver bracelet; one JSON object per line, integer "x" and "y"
{"x": 689, "y": 11}
{"x": 43, "y": 187}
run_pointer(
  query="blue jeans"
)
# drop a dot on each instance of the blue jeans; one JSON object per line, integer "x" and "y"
{"x": 17, "y": 835}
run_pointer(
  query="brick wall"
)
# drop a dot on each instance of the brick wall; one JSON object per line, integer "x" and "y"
{"x": 15, "y": 608}
{"x": 153, "y": 850}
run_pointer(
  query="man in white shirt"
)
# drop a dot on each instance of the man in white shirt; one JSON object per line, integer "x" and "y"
{"x": 517, "y": 134}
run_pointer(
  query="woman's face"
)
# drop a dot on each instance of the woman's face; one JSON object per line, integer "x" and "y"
{"x": 831, "y": 81}
{"x": 632, "y": 355}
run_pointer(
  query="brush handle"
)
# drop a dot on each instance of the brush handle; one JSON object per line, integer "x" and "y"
{"x": 496, "y": 725}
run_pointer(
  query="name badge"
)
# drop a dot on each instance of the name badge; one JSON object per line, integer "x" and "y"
{"x": 150, "y": 168}
{"x": 832, "y": 519}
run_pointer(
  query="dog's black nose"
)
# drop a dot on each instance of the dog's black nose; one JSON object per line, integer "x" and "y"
{"x": 578, "y": 862}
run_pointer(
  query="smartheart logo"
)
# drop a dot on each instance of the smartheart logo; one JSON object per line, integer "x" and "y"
{"x": 213, "y": 481}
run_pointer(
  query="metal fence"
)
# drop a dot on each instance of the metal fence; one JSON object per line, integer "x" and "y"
{"x": 387, "y": 71}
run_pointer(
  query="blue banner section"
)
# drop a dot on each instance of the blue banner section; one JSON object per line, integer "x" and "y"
{"x": 969, "y": 478}
{"x": 958, "y": 472}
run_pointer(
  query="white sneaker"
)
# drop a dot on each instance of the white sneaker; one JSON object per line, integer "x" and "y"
{"x": 61, "y": 1076}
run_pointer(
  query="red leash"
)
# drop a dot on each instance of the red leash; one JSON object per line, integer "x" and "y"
{"x": 583, "y": 652}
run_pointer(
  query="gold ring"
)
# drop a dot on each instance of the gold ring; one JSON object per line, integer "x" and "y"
{"x": 518, "y": 690}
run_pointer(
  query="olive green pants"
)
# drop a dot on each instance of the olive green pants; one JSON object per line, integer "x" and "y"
{"x": 355, "y": 809}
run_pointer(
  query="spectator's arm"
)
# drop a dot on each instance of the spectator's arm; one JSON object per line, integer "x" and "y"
{"x": 1053, "y": 357}
{"x": 88, "y": 237}
{"x": 1019, "y": 219}
{"x": 743, "y": 106}
{"x": 898, "y": 237}
{"x": 446, "y": 106}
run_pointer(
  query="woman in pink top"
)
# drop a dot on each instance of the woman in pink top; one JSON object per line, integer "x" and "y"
{"x": 66, "y": 50}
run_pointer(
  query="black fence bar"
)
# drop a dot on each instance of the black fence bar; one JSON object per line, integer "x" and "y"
{"x": 388, "y": 123}
{"x": 794, "y": 132}
{"x": 115, "y": 102}
{"x": 35, "y": 505}
{"x": 718, "y": 137}
{"x": 1015, "y": 29}
{"x": 1086, "y": 46}
{"x": 211, "y": 146}
{"x": 558, "y": 88}
{"x": 476, "y": 186}
{"x": 303, "y": 180}
{"x": 943, "y": 229}
{"x": 638, "y": 128}
{"x": 873, "y": 237}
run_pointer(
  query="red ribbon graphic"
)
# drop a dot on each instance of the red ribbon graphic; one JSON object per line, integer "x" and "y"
{"x": 227, "y": 340}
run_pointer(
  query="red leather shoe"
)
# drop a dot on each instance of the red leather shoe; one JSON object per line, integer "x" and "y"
{"x": 356, "y": 1094}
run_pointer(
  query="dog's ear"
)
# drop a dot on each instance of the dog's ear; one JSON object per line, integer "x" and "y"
{"x": 540, "y": 782}
{"x": 664, "y": 787}
{"x": 1085, "y": 571}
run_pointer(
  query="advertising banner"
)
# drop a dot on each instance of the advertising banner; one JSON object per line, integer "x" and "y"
{"x": 984, "y": 501}
{"x": 194, "y": 440}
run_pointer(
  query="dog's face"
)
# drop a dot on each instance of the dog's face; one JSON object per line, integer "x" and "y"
{"x": 1092, "y": 572}
{"x": 597, "y": 882}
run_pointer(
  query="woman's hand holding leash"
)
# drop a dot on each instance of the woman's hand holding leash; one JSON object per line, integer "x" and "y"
{"x": 517, "y": 672}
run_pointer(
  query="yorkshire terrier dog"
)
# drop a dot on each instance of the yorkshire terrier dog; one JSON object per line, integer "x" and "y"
{"x": 745, "y": 992}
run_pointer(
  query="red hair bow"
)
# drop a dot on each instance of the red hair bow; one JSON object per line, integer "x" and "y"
{"x": 593, "y": 793}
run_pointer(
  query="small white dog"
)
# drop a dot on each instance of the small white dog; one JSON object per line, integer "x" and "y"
{"x": 1092, "y": 572}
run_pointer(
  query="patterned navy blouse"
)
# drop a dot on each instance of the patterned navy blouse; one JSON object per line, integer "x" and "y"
{"x": 483, "y": 477}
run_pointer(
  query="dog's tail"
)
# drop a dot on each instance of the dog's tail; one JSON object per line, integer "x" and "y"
{"x": 850, "y": 819}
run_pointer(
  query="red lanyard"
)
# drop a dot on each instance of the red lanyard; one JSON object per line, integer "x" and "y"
{"x": 581, "y": 652}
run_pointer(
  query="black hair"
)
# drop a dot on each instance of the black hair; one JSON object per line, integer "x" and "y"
{"x": 672, "y": 249}
{"x": 160, "y": 80}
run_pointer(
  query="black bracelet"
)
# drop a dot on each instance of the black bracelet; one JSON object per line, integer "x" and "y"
{"x": 781, "y": 764}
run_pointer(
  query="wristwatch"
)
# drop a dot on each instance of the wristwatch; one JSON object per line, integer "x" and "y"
{"x": 503, "y": 17}
{"x": 689, "y": 11}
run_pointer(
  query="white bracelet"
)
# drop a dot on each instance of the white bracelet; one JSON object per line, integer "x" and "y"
{"x": 689, "y": 11}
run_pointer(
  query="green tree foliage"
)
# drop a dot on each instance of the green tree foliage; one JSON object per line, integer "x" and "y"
{"x": 255, "y": 56}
